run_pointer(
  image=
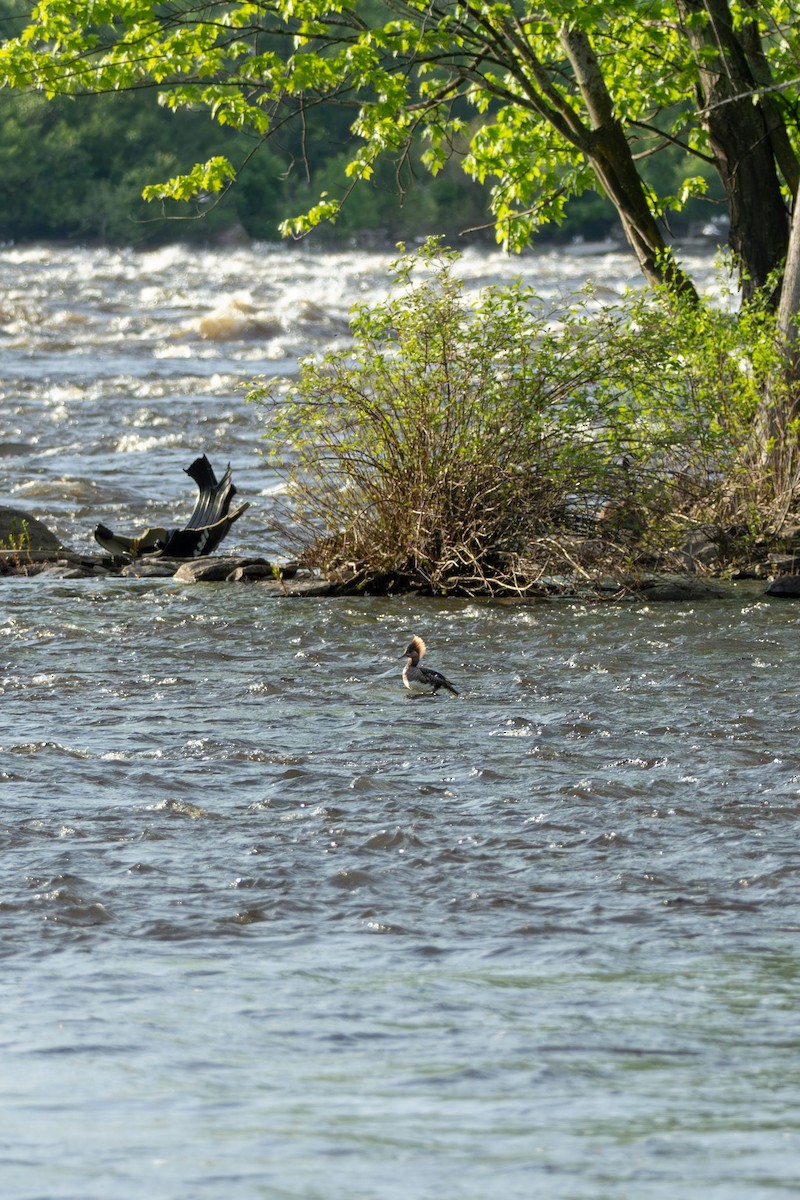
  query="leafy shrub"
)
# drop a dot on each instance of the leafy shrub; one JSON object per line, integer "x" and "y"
{"x": 465, "y": 445}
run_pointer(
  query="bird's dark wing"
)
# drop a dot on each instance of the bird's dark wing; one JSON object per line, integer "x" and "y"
{"x": 435, "y": 679}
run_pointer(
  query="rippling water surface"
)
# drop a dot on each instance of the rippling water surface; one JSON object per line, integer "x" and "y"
{"x": 268, "y": 928}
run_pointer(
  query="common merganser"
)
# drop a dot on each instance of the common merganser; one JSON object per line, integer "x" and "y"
{"x": 422, "y": 681}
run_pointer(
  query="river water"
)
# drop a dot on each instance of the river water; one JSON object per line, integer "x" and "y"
{"x": 271, "y": 929}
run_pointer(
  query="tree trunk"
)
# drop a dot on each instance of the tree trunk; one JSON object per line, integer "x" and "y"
{"x": 613, "y": 165}
{"x": 789, "y": 307}
{"x": 774, "y": 447}
{"x": 772, "y": 105}
{"x": 607, "y": 149}
{"x": 741, "y": 141}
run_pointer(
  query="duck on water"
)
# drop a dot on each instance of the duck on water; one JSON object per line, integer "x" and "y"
{"x": 421, "y": 680}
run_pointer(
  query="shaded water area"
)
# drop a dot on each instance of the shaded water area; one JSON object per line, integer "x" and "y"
{"x": 269, "y": 928}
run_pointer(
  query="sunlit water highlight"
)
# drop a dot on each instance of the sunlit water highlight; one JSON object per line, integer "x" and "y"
{"x": 271, "y": 929}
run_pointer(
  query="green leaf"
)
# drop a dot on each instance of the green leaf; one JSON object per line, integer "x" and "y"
{"x": 209, "y": 177}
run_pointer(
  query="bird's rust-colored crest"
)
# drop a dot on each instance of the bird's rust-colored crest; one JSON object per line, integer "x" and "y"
{"x": 416, "y": 646}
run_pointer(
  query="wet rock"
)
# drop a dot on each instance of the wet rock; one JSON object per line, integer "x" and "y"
{"x": 251, "y": 572}
{"x": 214, "y": 570}
{"x": 66, "y": 569}
{"x": 302, "y": 586}
{"x": 52, "y": 566}
{"x": 61, "y": 571}
{"x": 305, "y": 585}
{"x": 678, "y": 587}
{"x": 152, "y": 568}
{"x": 788, "y": 587}
{"x": 21, "y": 531}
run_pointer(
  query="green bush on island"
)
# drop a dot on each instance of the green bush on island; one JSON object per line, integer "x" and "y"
{"x": 473, "y": 446}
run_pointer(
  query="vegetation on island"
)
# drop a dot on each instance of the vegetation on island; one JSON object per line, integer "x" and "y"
{"x": 485, "y": 447}
{"x": 663, "y": 407}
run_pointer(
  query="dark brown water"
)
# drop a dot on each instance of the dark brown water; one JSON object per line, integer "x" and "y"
{"x": 268, "y": 928}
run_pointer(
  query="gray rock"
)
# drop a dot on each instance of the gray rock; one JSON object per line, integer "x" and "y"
{"x": 252, "y": 572}
{"x": 308, "y": 586}
{"x": 787, "y": 587}
{"x": 677, "y": 587}
{"x": 19, "y": 530}
{"x": 151, "y": 568}
{"x": 61, "y": 570}
{"x": 50, "y": 565}
{"x": 213, "y": 570}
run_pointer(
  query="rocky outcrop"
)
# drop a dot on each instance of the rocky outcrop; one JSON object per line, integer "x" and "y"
{"x": 28, "y": 547}
{"x": 21, "y": 532}
{"x": 785, "y": 586}
{"x": 679, "y": 587}
{"x": 278, "y": 579}
{"x": 288, "y": 579}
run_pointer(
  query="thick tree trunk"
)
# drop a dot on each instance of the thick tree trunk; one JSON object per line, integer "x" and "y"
{"x": 771, "y": 102}
{"x": 782, "y": 396}
{"x": 789, "y": 307}
{"x": 741, "y": 140}
{"x": 775, "y": 449}
{"x": 607, "y": 149}
{"x": 612, "y": 162}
